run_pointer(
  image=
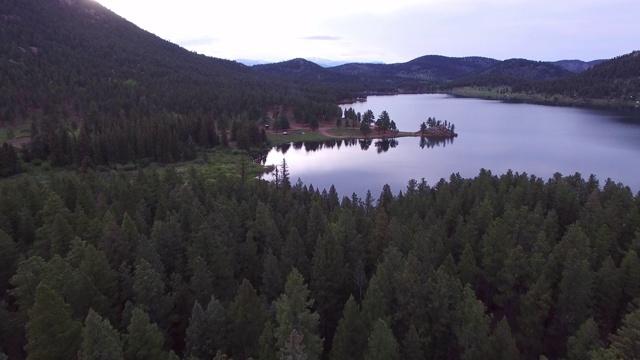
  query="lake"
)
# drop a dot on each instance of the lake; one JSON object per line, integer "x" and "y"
{"x": 534, "y": 139}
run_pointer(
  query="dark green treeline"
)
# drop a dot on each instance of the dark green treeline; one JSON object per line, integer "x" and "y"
{"x": 162, "y": 264}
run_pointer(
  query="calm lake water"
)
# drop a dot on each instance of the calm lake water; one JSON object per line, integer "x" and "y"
{"x": 535, "y": 139}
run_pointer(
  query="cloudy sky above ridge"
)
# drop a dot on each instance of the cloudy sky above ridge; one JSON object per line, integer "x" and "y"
{"x": 391, "y": 31}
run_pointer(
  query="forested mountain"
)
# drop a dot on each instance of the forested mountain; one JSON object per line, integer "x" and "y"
{"x": 91, "y": 88}
{"x": 293, "y": 67}
{"x": 511, "y": 72}
{"x": 164, "y": 265}
{"x": 442, "y": 68}
{"x": 170, "y": 264}
{"x": 427, "y": 73}
{"x": 306, "y": 72}
{"x": 610, "y": 83}
{"x": 432, "y": 68}
{"x": 83, "y": 50}
{"x": 364, "y": 79}
{"x": 576, "y": 66}
{"x": 96, "y": 87}
{"x": 526, "y": 69}
{"x": 618, "y": 78}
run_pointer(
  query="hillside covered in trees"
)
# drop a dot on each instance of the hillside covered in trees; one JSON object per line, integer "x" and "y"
{"x": 617, "y": 78}
{"x": 183, "y": 264}
{"x": 613, "y": 83}
{"x": 91, "y": 87}
{"x": 88, "y": 88}
{"x": 167, "y": 265}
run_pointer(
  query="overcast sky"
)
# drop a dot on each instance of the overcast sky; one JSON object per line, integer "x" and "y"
{"x": 391, "y": 30}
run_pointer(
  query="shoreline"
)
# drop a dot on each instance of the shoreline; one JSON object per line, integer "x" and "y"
{"x": 298, "y": 134}
{"x": 488, "y": 93}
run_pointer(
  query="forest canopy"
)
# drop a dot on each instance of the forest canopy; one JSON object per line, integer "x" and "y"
{"x": 168, "y": 263}
{"x": 507, "y": 266}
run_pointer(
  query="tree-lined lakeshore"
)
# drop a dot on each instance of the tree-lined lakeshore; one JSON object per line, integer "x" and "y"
{"x": 133, "y": 225}
{"x": 354, "y": 125}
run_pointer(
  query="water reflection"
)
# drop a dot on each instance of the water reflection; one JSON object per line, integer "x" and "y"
{"x": 382, "y": 145}
{"x": 313, "y": 146}
{"x": 433, "y": 142}
{"x": 540, "y": 140}
{"x": 364, "y": 144}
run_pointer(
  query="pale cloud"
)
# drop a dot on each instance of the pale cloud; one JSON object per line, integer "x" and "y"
{"x": 196, "y": 42}
{"x": 322, "y": 38}
{"x": 391, "y": 31}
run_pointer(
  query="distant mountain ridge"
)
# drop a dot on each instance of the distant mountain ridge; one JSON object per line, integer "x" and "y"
{"x": 526, "y": 69}
{"x": 430, "y": 69}
{"x": 577, "y": 66}
{"x": 75, "y": 55}
{"x": 426, "y": 68}
{"x": 615, "y": 79}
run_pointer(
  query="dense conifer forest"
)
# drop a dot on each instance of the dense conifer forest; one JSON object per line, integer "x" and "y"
{"x": 178, "y": 263}
{"x": 161, "y": 264}
{"x": 92, "y": 88}
{"x": 616, "y": 80}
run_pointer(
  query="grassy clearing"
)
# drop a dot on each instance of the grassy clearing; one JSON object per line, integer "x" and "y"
{"x": 18, "y": 132}
{"x": 226, "y": 163}
{"x": 342, "y": 132}
{"x": 296, "y": 136}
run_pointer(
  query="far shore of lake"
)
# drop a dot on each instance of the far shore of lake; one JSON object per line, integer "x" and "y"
{"x": 300, "y": 132}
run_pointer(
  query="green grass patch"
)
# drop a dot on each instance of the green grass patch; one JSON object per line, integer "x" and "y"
{"x": 224, "y": 163}
{"x": 342, "y": 132}
{"x": 9, "y": 133}
{"x": 296, "y": 136}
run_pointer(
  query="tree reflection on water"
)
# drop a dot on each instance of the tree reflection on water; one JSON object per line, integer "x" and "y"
{"x": 433, "y": 142}
{"x": 382, "y": 145}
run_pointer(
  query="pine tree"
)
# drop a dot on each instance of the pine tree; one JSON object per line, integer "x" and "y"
{"x": 586, "y": 339}
{"x": 114, "y": 244}
{"x": 607, "y": 295}
{"x": 268, "y": 343}
{"x": 95, "y": 266}
{"x": 198, "y": 335}
{"x": 467, "y": 268}
{"x": 218, "y": 259}
{"x": 61, "y": 234}
{"x": 574, "y": 298}
{"x": 327, "y": 278}
{"x": 625, "y": 343}
{"x": 293, "y": 311}
{"x": 215, "y": 315}
{"x": 374, "y": 305}
{"x": 503, "y": 342}
{"x": 382, "y": 344}
{"x": 535, "y": 307}
{"x": 472, "y": 326}
{"x": 630, "y": 269}
{"x": 200, "y": 284}
{"x": 100, "y": 341}
{"x": 350, "y": 339}
{"x": 51, "y": 332}
{"x": 149, "y": 291}
{"x": 8, "y": 259}
{"x": 496, "y": 244}
{"x": 294, "y": 348}
{"x": 143, "y": 340}
{"x": 272, "y": 281}
{"x": 246, "y": 318}
{"x": 294, "y": 253}
{"x": 25, "y": 282}
{"x": 412, "y": 345}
